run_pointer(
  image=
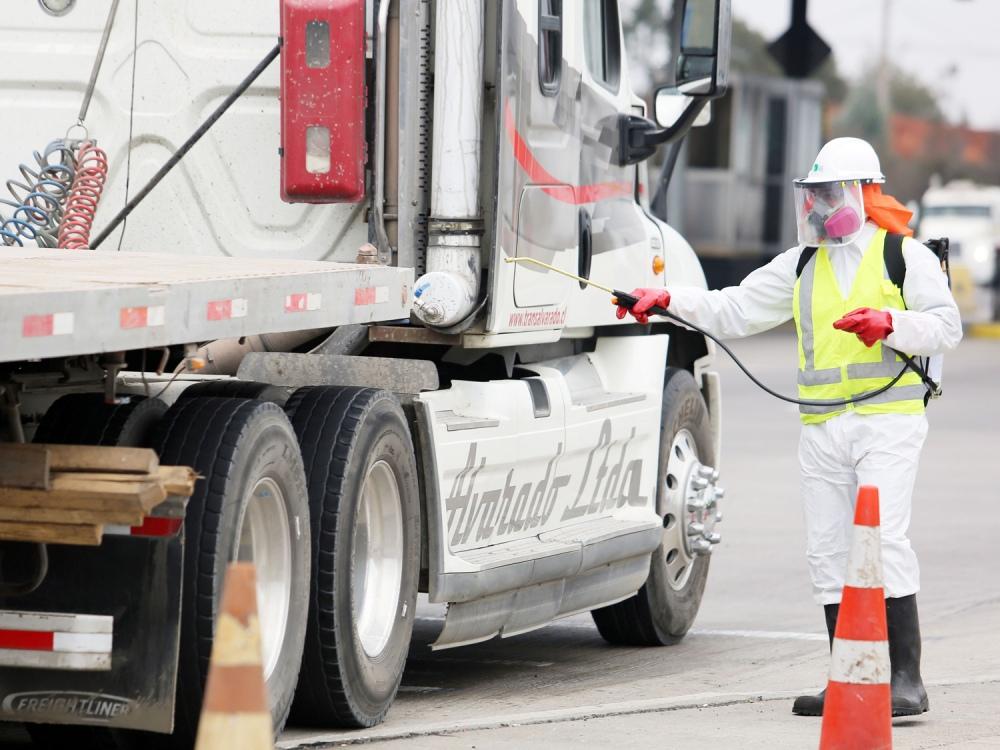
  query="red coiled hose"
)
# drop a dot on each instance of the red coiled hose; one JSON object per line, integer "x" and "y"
{"x": 84, "y": 195}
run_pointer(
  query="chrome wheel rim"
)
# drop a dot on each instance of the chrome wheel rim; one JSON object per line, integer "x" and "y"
{"x": 689, "y": 509}
{"x": 265, "y": 541}
{"x": 377, "y": 564}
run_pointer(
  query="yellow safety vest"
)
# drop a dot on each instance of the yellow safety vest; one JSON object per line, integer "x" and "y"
{"x": 836, "y": 364}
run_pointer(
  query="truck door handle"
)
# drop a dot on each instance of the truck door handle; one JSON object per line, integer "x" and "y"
{"x": 585, "y": 252}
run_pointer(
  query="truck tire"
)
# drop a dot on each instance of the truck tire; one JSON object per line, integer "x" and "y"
{"x": 250, "y": 504}
{"x": 225, "y": 388}
{"x": 364, "y": 497}
{"x": 664, "y": 609}
{"x": 85, "y": 419}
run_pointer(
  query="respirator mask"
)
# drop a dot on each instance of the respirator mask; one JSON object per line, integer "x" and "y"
{"x": 829, "y": 213}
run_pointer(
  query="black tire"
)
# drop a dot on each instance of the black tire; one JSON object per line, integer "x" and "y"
{"x": 224, "y": 388}
{"x": 343, "y": 432}
{"x": 85, "y": 419}
{"x": 659, "y": 615}
{"x": 232, "y": 444}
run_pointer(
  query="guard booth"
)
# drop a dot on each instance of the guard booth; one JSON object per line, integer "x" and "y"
{"x": 736, "y": 201}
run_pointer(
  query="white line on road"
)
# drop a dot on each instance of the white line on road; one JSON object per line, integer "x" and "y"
{"x": 775, "y": 635}
{"x": 575, "y": 713}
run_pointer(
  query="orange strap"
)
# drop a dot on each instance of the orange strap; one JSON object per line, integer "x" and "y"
{"x": 886, "y": 211}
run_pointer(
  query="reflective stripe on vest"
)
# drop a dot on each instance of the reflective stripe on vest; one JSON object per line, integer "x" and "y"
{"x": 835, "y": 365}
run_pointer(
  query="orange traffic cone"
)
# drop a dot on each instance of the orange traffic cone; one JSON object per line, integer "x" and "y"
{"x": 857, "y": 712}
{"x": 236, "y": 712}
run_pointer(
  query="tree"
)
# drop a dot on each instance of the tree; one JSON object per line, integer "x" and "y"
{"x": 647, "y": 32}
{"x": 861, "y": 117}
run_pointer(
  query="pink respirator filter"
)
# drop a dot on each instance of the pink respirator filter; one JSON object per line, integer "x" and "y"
{"x": 842, "y": 222}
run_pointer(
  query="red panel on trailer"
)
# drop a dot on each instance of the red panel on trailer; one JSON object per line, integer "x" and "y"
{"x": 323, "y": 101}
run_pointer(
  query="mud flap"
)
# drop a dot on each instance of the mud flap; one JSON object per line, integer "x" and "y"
{"x": 135, "y": 581}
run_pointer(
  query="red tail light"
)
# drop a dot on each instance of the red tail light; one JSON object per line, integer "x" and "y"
{"x": 323, "y": 101}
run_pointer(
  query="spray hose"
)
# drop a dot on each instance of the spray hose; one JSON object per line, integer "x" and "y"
{"x": 621, "y": 298}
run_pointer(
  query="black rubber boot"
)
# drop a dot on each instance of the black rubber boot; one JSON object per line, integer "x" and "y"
{"x": 908, "y": 695}
{"x": 812, "y": 705}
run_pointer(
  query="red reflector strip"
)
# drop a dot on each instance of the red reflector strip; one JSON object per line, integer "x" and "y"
{"x": 224, "y": 309}
{"x": 141, "y": 317}
{"x": 303, "y": 302}
{"x": 371, "y": 295}
{"x": 153, "y": 526}
{"x": 27, "y": 640}
{"x": 52, "y": 324}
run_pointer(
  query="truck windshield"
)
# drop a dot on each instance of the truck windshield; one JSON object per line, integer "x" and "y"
{"x": 972, "y": 212}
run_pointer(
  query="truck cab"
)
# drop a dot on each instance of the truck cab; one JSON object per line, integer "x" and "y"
{"x": 969, "y": 215}
{"x": 381, "y": 392}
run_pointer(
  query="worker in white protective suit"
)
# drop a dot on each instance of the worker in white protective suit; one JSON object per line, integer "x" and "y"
{"x": 848, "y": 312}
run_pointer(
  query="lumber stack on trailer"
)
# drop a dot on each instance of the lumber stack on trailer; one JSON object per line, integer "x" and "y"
{"x": 66, "y": 494}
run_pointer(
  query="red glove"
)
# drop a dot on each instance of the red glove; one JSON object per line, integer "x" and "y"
{"x": 647, "y": 298}
{"x": 870, "y": 325}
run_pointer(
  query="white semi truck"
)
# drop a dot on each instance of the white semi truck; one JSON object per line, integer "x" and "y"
{"x": 969, "y": 215}
{"x": 376, "y": 401}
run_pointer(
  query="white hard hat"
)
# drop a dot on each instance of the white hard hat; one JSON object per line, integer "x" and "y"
{"x": 845, "y": 159}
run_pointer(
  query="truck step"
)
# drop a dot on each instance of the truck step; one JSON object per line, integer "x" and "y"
{"x": 550, "y": 556}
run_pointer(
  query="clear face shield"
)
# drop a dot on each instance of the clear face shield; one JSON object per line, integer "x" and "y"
{"x": 829, "y": 213}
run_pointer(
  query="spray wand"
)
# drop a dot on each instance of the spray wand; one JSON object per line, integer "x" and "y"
{"x": 627, "y": 300}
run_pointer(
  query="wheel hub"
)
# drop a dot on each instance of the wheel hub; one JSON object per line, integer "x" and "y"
{"x": 265, "y": 540}
{"x": 377, "y": 564}
{"x": 689, "y": 509}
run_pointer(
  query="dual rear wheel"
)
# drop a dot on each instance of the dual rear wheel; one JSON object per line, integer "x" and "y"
{"x": 323, "y": 498}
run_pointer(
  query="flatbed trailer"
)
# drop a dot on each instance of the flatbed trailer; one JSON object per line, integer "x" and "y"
{"x": 62, "y": 303}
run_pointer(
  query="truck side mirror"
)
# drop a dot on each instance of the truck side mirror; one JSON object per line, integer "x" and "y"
{"x": 701, "y": 74}
{"x": 702, "y": 64}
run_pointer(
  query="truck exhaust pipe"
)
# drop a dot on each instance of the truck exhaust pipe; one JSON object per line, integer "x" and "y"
{"x": 448, "y": 292}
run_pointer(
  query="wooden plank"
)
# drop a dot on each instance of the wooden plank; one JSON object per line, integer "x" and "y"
{"x": 89, "y": 496}
{"x": 144, "y": 491}
{"x": 24, "y": 466}
{"x": 102, "y": 459}
{"x": 177, "y": 480}
{"x": 51, "y": 533}
{"x": 72, "y": 516}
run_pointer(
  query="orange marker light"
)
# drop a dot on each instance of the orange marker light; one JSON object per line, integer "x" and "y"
{"x": 658, "y": 265}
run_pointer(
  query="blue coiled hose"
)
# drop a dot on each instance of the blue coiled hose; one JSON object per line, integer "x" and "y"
{"x": 38, "y": 199}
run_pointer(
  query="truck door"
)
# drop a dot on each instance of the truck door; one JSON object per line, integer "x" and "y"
{"x": 562, "y": 198}
{"x": 617, "y": 247}
{"x": 542, "y": 128}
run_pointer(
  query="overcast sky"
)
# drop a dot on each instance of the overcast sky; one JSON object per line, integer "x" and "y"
{"x": 953, "y": 46}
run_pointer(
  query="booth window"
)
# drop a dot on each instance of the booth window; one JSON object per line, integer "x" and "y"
{"x": 549, "y": 46}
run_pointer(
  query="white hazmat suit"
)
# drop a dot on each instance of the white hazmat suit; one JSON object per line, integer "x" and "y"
{"x": 850, "y": 449}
